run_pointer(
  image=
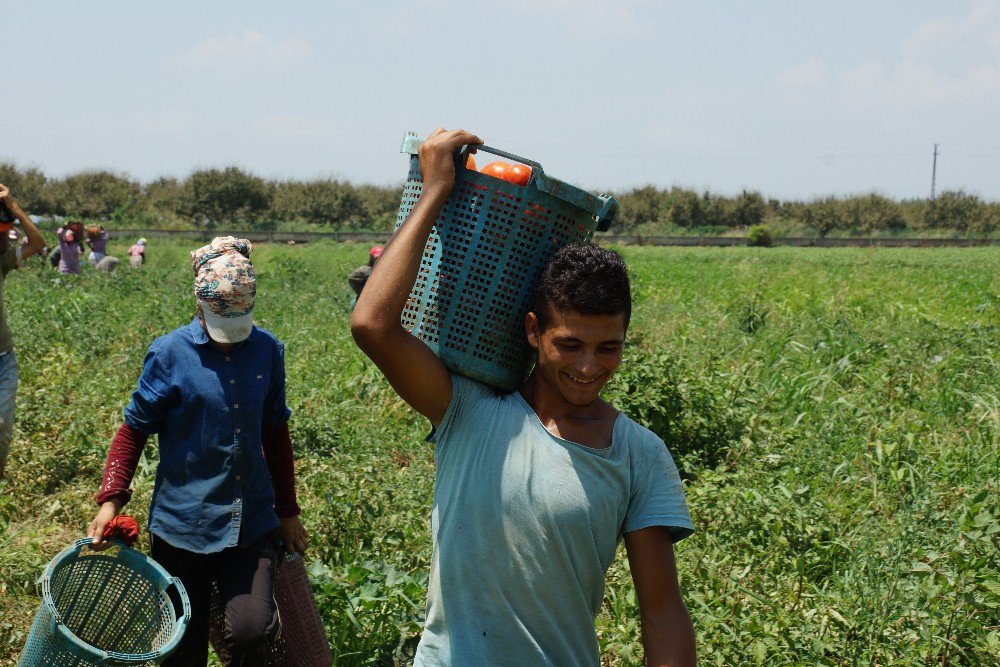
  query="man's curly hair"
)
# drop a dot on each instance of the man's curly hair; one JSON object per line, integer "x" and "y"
{"x": 585, "y": 278}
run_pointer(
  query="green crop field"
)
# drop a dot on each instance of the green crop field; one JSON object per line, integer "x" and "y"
{"x": 836, "y": 414}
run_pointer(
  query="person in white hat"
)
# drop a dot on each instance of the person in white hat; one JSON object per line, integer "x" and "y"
{"x": 224, "y": 501}
{"x": 137, "y": 253}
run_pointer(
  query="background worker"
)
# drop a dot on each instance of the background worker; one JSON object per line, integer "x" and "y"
{"x": 535, "y": 487}
{"x": 359, "y": 276}
{"x": 214, "y": 393}
{"x": 70, "y": 247}
{"x": 108, "y": 264}
{"x": 11, "y": 257}
{"x": 137, "y": 253}
{"x": 97, "y": 240}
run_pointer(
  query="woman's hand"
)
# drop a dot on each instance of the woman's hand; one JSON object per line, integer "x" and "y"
{"x": 95, "y": 530}
{"x": 294, "y": 534}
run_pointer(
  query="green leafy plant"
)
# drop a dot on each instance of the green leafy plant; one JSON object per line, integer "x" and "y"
{"x": 835, "y": 415}
{"x": 760, "y": 236}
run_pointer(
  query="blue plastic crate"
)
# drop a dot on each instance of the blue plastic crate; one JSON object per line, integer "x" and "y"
{"x": 483, "y": 259}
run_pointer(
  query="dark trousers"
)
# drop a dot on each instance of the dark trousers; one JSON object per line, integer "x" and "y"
{"x": 245, "y": 577}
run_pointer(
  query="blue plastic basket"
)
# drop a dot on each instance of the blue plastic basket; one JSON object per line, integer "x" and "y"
{"x": 483, "y": 259}
{"x": 103, "y": 609}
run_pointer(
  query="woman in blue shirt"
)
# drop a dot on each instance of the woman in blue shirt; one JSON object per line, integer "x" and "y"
{"x": 214, "y": 393}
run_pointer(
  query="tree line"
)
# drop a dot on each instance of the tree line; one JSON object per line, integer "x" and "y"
{"x": 230, "y": 197}
{"x": 649, "y": 210}
{"x": 234, "y": 198}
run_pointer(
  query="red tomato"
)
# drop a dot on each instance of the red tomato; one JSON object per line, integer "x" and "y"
{"x": 496, "y": 170}
{"x": 519, "y": 173}
{"x": 470, "y": 164}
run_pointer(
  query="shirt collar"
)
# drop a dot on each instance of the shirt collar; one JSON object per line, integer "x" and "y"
{"x": 198, "y": 332}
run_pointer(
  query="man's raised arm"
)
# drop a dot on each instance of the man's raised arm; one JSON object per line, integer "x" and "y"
{"x": 414, "y": 371}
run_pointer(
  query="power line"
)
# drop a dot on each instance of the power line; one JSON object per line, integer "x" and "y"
{"x": 198, "y": 135}
{"x": 934, "y": 172}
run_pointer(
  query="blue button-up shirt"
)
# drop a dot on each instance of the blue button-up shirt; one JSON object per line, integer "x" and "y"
{"x": 213, "y": 489}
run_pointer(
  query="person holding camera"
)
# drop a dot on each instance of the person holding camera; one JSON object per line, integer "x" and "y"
{"x": 11, "y": 257}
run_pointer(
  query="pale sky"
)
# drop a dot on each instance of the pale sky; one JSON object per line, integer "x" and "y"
{"x": 794, "y": 99}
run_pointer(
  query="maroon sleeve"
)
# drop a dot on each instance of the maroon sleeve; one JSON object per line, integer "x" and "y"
{"x": 277, "y": 443}
{"x": 123, "y": 457}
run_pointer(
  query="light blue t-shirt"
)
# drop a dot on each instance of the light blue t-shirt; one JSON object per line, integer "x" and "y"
{"x": 525, "y": 526}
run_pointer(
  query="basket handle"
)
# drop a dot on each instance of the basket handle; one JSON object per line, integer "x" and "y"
{"x": 184, "y": 617}
{"x": 87, "y": 541}
{"x": 603, "y": 207}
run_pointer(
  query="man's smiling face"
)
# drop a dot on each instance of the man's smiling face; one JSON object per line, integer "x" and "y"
{"x": 577, "y": 354}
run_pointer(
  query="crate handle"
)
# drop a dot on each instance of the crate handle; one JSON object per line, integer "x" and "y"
{"x": 603, "y": 207}
{"x": 411, "y": 145}
{"x": 535, "y": 167}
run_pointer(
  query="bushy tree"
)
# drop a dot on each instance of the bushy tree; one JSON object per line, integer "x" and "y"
{"x": 790, "y": 211}
{"x": 379, "y": 206}
{"x": 227, "y": 197}
{"x": 641, "y": 206}
{"x": 991, "y": 218}
{"x": 824, "y": 216}
{"x": 326, "y": 202}
{"x": 94, "y": 194}
{"x": 164, "y": 199}
{"x": 717, "y": 210}
{"x": 873, "y": 213}
{"x": 958, "y": 210}
{"x": 29, "y": 186}
{"x": 684, "y": 208}
{"x": 748, "y": 209}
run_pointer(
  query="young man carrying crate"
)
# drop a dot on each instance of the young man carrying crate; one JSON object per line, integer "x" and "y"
{"x": 533, "y": 489}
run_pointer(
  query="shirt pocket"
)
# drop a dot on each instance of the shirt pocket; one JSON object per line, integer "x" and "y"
{"x": 254, "y": 388}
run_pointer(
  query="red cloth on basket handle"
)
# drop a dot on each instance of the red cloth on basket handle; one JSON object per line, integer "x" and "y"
{"x": 124, "y": 528}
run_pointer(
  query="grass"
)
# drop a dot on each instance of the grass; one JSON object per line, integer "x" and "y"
{"x": 835, "y": 413}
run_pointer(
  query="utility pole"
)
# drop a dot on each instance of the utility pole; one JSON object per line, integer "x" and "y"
{"x": 934, "y": 171}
